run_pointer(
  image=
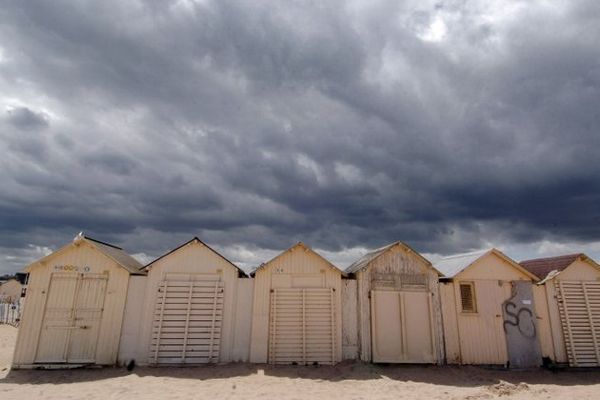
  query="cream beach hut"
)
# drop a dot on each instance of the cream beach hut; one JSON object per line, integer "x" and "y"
{"x": 399, "y": 310}
{"x": 196, "y": 309}
{"x": 488, "y": 310}
{"x": 297, "y": 309}
{"x": 569, "y": 305}
{"x": 10, "y": 291}
{"x": 74, "y": 306}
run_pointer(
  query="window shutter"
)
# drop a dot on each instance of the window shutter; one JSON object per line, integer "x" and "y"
{"x": 467, "y": 297}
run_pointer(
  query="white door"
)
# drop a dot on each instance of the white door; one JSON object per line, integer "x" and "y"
{"x": 302, "y": 326}
{"x": 87, "y": 315}
{"x": 401, "y": 327}
{"x": 72, "y": 318}
{"x": 187, "y": 322}
{"x": 579, "y": 308}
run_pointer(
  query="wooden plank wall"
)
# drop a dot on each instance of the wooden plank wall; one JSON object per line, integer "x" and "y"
{"x": 396, "y": 261}
{"x": 349, "y": 320}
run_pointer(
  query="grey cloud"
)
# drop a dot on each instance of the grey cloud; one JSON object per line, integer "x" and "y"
{"x": 26, "y": 119}
{"x": 340, "y": 124}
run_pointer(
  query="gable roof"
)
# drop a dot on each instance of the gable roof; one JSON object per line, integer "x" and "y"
{"x": 453, "y": 265}
{"x": 542, "y": 267}
{"x": 299, "y": 244}
{"x": 365, "y": 260}
{"x": 117, "y": 254}
{"x": 195, "y": 240}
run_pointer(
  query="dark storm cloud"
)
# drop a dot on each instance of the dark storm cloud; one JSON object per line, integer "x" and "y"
{"x": 449, "y": 125}
{"x": 23, "y": 118}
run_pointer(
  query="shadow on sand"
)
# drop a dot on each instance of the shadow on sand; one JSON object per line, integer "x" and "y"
{"x": 463, "y": 376}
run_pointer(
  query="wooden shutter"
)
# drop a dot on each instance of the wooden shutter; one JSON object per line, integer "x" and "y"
{"x": 302, "y": 326}
{"x": 467, "y": 297}
{"x": 579, "y": 308}
{"x": 187, "y": 322}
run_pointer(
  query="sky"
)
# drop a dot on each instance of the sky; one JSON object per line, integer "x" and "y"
{"x": 452, "y": 126}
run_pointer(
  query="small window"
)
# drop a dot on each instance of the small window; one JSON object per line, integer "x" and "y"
{"x": 467, "y": 297}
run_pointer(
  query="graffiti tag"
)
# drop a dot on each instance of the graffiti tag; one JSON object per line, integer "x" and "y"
{"x": 517, "y": 314}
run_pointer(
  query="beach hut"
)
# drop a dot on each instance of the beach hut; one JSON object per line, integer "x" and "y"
{"x": 569, "y": 306}
{"x": 190, "y": 313}
{"x": 399, "y": 311}
{"x": 488, "y": 310}
{"x": 297, "y": 309}
{"x": 10, "y": 291}
{"x": 74, "y": 306}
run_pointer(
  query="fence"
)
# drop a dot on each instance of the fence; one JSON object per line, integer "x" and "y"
{"x": 10, "y": 313}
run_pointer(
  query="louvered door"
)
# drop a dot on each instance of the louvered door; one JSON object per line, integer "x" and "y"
{"x": 302, "y": 326}
{"x": 187, "y": 322}
{"x": 579, "y": 308}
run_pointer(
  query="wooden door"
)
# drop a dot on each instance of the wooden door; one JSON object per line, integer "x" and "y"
{"x": 87, "y": 316}
{"x": 72, "y": 318}
{"x": 401, "y": 327}
{"x": 58, "y": 318}
{"x": 187, "y": 322}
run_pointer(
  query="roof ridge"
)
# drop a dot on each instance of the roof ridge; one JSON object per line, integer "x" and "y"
{"x": 104, "y": 243}
{"x": 553, "y": 257}
{"x": 471, "y": 253}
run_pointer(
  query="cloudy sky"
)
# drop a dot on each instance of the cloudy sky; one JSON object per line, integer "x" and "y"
{"x": 449, "y": 125}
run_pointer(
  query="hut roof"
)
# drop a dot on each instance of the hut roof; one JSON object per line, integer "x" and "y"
{"x": 117, "y": 254}
{"x": 543, "y": 267}
{"x": 195, "y": 239}
{"x": 299, "y": 244}
{"x": 365, "y": 260}
{"x": 453, "y": 265}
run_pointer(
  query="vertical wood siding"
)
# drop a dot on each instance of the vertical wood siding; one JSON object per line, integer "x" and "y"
{"x": 132, "y": 320}
{"x": 349, "y": 319}
{"x": 479, "y": 338}
{"x": 543, "y": 321}
{"x": 243, "y": 320}
{"x": 450, "y": 323}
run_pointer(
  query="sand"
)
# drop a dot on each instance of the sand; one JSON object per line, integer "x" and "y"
{"x": 261, "y": 382}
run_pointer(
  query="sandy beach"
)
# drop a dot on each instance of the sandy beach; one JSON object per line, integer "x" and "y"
{"x": 247, "y": 381}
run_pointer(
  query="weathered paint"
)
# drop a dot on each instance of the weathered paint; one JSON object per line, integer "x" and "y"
{"x": 389, "y": 269}
{"x": 450, "y": 323}
{"x": 192, "y": 261}
{"x": 478, "y": 338}
{"x": 297, "y": 267}
{"x": 80, "y": 255}
{"x": 349, "y": 320}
